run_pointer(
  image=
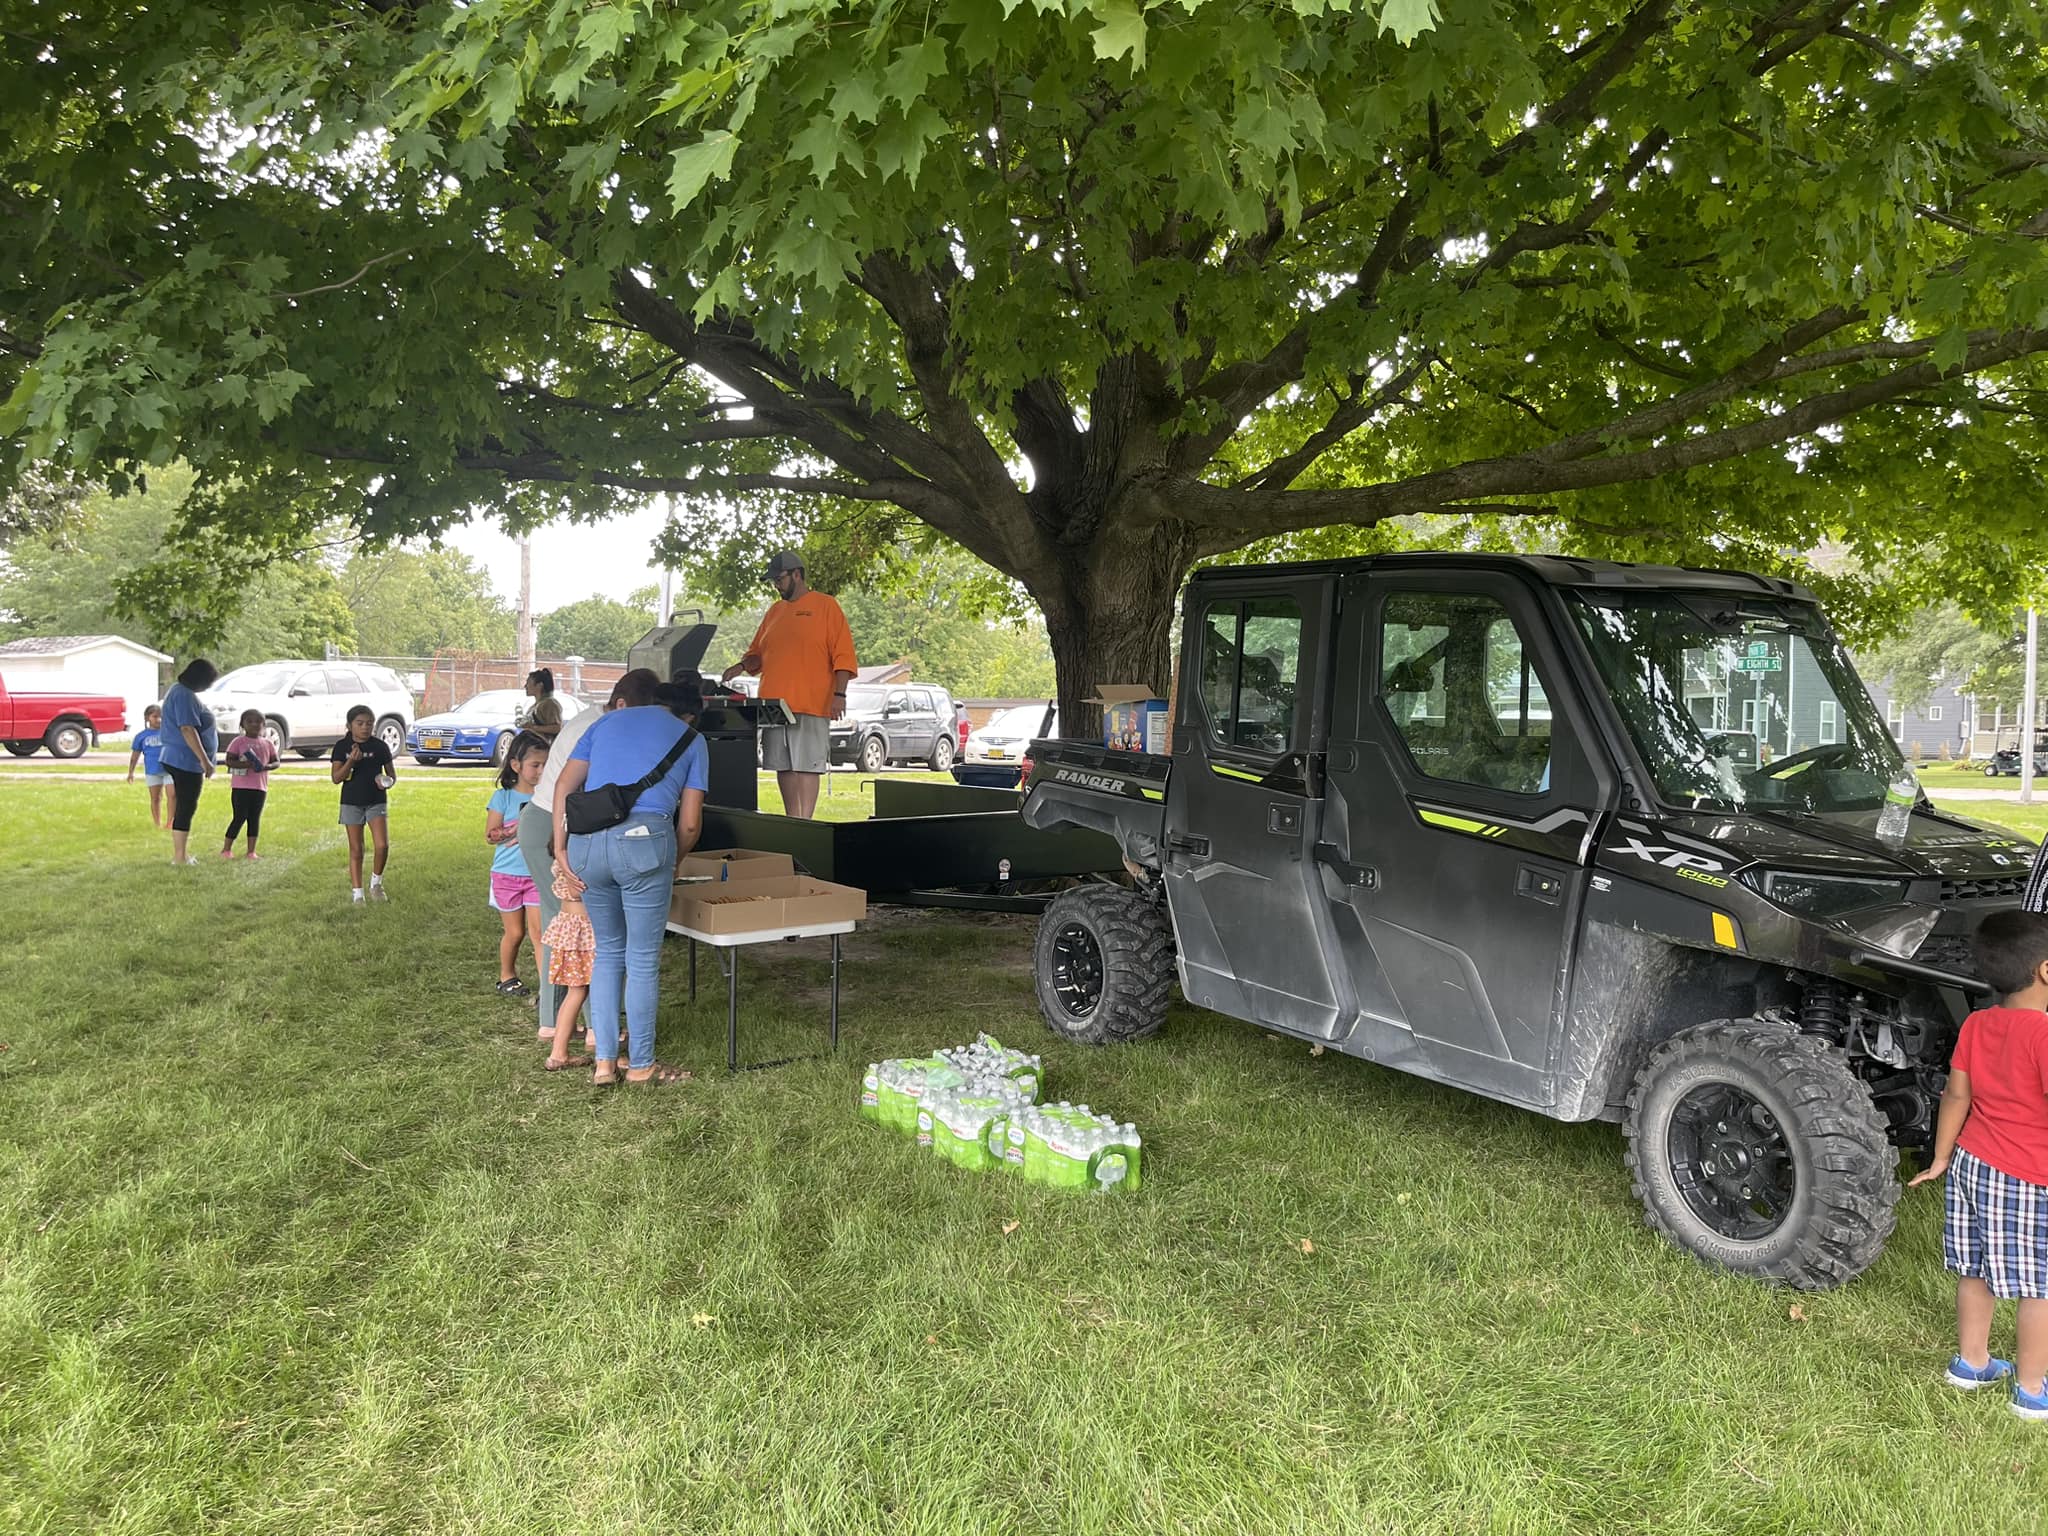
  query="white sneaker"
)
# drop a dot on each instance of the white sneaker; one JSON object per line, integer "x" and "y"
{"x": 355, "y": 898}
{"x": 378, "y": 893}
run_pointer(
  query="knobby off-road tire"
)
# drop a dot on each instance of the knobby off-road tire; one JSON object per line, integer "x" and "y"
{"x": 1104, "y": 965}
{"x": 1757, "y": 1149}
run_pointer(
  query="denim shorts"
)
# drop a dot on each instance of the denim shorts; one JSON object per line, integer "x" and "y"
{"x": 362, "y": 815}
{"x": 156, "y": 780}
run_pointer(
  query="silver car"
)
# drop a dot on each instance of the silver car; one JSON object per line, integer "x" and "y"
{"x": 305, "y": 704}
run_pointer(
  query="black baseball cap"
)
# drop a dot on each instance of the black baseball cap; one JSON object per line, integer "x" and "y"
{"x": 788, "y": 560}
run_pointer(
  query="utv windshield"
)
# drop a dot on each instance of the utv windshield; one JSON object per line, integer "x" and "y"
{"x": 1739, "y": 704}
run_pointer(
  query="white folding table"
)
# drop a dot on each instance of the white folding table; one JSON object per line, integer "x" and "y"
{"x": 732, "y": 944}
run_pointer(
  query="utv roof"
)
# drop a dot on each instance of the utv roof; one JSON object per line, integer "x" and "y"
{"x": 1554, "y": 570}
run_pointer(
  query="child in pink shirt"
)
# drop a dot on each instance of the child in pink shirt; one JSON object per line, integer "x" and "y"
{"x": 249, "y": 758}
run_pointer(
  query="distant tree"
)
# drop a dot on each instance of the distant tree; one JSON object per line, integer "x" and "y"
{"x": 417, "y": 602}
{"x": 103, "y": 564}
{"x": 1945, "y": 645}
{"x": 597, "y": 628}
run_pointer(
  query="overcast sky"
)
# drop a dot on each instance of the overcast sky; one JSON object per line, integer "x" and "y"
{"x": 569, "y": 562}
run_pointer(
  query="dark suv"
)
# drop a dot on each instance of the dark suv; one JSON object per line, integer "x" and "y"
{"x": 896, "y": 723}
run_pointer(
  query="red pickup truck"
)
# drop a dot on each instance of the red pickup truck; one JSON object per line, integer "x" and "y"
{"x": 66, "y": 723}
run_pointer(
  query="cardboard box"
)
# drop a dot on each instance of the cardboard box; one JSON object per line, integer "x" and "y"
{"x": 1133, "y": 717}
{"x": 738, "y": 864}
{"x": 728, "y": 866}
{"x": 756, "y": 906}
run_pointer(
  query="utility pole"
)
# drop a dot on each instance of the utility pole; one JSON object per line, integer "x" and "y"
{"x": 668, "y": 575}
{"x": 2027, "y": 711}
{"x": 525, "y": 605}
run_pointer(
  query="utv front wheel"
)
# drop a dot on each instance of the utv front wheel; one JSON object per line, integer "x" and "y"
{"x": 1104, "y": 962}
{"x": 1759, "y": 1150}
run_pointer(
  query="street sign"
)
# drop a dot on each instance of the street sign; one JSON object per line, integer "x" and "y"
{"x": 1759, "y": 663}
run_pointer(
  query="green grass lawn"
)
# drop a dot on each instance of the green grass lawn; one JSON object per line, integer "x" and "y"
{"x": 295, "y": 1237}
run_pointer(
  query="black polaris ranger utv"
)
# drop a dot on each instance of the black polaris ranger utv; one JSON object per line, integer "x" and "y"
{"x": 1615, "y": 842}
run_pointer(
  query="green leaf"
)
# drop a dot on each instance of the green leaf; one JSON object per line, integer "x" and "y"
{"x": 696, "y": 164}
{"x": 1951, "y": 349}
{"x": 14, "y": 414}
{"x": 603, "y": 28}
{"x": 1122, "y": 31}
{"x": 914, "y": 68}
{"x": 855, "y": 97}
{"x": 1407, "y": 19}
{"x": 819, "y": 143}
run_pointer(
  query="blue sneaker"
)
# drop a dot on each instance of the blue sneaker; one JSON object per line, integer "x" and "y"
{"x": 2030, "y": 1405}
{"x": 1962, "y": 1374}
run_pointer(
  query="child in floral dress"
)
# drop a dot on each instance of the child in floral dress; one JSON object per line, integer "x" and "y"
{"x": 570, "y": 945}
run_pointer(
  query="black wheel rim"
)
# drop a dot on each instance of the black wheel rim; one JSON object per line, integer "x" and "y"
{"x": 1076, "y": 970}
{"x": 1731, "y": 1161}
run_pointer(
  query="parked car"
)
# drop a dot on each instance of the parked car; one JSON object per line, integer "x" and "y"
{"x": 479, "y": 729}
{"x": 896, "y": 723}
{"x": 1009, "y": 734}
{"x": 305, "y": 704}
{"x": 66, "y": 723}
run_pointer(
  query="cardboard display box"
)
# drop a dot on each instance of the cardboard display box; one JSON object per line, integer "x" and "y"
{"x": 738, "y": 864}
{"x": 754, "y": 906}
{"x": 1133, "y": 718}
{"x": 728, "y": 867}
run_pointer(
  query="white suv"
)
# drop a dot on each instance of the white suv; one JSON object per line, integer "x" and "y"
{"x": 305, "y": 704}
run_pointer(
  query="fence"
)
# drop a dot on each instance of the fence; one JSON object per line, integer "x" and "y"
{"x": 446, "y": 678}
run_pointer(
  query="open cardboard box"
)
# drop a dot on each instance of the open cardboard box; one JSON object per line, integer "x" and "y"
{"x": 1133, "y": 717}
{"x": 737, "y": 864}
{"x": 719, "y": 869}
{"x": 755, "y": 906}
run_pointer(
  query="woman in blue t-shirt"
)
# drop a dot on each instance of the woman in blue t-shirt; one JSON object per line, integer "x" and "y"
{"x": 189, "y": 745}
{"x": 624, "y": 874}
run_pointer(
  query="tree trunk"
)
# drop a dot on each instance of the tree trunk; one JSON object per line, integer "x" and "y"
{"x": 1109, "y": 615}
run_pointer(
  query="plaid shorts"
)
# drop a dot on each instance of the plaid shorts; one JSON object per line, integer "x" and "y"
{"x": 1996, "y": 1228}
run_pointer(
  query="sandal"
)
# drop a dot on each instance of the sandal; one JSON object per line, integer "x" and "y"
{"x": 660, "y": 1076}
{"x": 606, "y": 1082}
{"x": 564, "y": 1063}
{"x": 514, "y": 988}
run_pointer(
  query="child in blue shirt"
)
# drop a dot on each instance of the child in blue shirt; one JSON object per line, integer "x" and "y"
{"x": 514, "y": 896}
{"x": 146, "y": 747}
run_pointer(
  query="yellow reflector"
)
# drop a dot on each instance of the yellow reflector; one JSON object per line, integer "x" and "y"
{"x": 1724, "y": 931}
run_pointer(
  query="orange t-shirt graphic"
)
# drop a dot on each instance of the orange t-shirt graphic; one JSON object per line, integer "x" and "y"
{"x": 801, "y": 644}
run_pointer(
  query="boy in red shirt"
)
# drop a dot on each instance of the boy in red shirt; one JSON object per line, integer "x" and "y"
{"x": 1991, "y": 1139}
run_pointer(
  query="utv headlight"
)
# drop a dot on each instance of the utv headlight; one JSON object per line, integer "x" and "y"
{"x": 1827, "y": 895}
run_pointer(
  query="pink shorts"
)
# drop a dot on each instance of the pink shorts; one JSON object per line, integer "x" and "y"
{"x": 511, "y": 892}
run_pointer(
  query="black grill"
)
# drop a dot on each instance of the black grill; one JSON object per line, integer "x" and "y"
{"x": 1983, "y": 890}
{"x": 1949, "y": 951}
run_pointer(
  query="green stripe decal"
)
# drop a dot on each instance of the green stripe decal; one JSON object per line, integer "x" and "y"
{"x": 1236, "y": 773}
{"x": 1152, "y": 794}
{"x": 1458, "y": 823}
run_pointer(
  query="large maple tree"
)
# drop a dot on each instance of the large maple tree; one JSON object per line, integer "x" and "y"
{"x": 1096, "y": 289}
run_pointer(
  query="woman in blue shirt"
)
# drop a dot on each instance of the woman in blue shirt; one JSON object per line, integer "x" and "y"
{"x": 189, "y": 746}
{"x": 624, "y": 874}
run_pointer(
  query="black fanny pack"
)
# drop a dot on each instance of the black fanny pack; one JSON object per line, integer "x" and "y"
{"x": 592, "y": 810}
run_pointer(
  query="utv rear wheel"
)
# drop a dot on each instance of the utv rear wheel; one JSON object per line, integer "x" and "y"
{"x": 1759, "y": 1150}
{"x": 1104, "y": 962}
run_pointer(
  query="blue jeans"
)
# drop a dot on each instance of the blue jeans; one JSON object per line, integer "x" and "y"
{"x": 627, "y": 873}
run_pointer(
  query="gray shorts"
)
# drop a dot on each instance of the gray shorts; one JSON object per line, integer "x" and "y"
{"x": 804, "y": 747}
{"x": 363, "y": 815}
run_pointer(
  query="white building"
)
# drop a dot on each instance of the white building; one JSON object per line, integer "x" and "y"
{"x": 86, "y": 664}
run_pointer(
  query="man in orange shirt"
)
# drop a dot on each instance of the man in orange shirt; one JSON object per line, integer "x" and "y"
{"x": 803, "y": 654}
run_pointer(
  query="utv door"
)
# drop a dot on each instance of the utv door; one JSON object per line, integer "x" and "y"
{"x": 1241, "y": 810}
{"x": 1463, "y": 771}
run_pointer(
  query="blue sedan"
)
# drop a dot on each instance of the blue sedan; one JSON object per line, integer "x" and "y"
{"x": 479, "y": 729}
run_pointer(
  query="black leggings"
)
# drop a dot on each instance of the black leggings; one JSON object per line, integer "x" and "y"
{"x": 185, "y": 784}
{"x": 248, "y": 805}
